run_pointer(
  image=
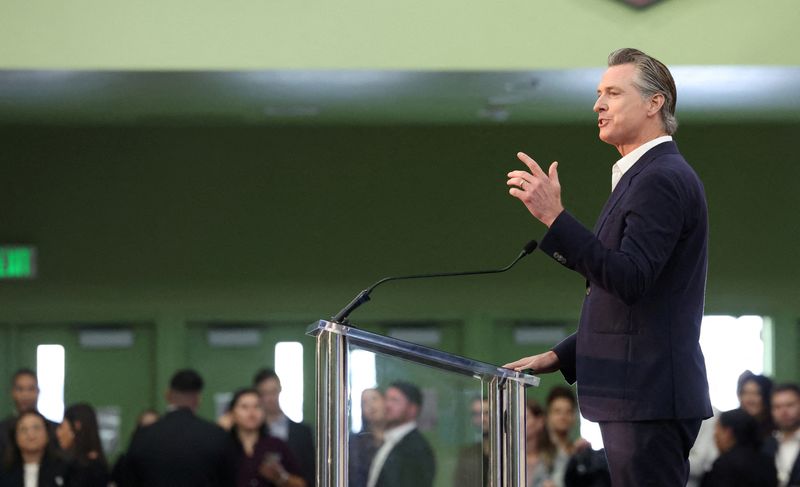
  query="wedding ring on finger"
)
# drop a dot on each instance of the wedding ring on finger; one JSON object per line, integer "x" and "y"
{"x": 521, "y": 183}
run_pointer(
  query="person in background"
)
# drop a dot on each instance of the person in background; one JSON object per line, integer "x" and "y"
{"x": 785, "y": 445}
{"x": 262, "y": 460}
{"x": 298, "y": 435}
{"x": 754, "y": 393}
{"x": 79, "y": 438}
{"x": 472, "y": 468}
{"x": 562, "y": 416}
{"x": 541, "y": 454}
{"x": 25, "y": 394}
{"x": 366, "y": 442}
{"x": 406, "y": 458}
{"x": 30, "y": 460}
{"x": 181, "y": 449}
{"x": 118, "y": 473}
{"x": 146, "y": 418}
{"x": 741, "y": 462}
{"x": 588, "y": 468}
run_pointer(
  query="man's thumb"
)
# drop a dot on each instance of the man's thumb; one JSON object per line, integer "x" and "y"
{"x": 553, "y": 172}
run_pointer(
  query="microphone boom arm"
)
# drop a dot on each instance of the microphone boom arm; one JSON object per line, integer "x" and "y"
{"x": 364, "y": 296}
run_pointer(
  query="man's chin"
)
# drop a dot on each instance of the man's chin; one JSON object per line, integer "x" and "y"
{"x": 606, "y": 137}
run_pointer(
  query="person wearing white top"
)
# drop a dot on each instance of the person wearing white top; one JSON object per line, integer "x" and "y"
{"x": 33, "y": 462}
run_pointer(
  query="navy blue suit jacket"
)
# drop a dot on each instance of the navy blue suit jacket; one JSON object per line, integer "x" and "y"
{"x": 636, "y": 355}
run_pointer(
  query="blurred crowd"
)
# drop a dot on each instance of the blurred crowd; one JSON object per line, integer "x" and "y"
{"x": 756, "y": 444}
{"x": 255, "y": 444}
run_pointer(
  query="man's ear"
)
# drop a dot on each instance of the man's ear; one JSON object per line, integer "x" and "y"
{"x": 656, "y": 103}
{"x": 77, "y": 425}
{"x": 415, "y": 409}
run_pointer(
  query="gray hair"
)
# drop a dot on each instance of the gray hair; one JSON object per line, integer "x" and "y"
{"x": 654, "y": 77}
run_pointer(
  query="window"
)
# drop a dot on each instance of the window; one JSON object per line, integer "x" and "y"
{"x": 362, "y": 376}
{"x": 289, "y": 367}
{"x": 731, "y": 345}
{"x": 50, "y": 374}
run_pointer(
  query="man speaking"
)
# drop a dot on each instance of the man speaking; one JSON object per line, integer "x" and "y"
{"x": 636, "y": 355}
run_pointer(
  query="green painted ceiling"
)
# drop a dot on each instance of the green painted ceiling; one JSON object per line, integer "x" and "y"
{"x": 715, "y": 93}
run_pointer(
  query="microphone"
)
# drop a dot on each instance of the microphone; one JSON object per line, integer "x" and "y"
{"x": 363, "y": 296}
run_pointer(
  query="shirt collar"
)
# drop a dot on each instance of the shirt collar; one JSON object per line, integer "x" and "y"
{"x": 621, "y": 166}
{"x": 794, "y": 436}
{"x": 398, "y": 432}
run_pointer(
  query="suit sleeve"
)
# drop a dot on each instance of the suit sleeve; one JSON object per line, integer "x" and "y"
{"x": 565, "y": 351}
{"x": 651, "y": 229}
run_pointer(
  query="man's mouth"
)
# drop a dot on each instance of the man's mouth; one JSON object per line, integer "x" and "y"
{"x": 602, "y": 122}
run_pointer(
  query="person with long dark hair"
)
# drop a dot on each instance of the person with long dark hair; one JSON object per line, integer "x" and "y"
{"x": 79, "y": 438}
{"x": 541, "y": 454}
{"x": 262, "y": 460}
{"x": 31, "y": 460}
{"x": 754, "y": 392}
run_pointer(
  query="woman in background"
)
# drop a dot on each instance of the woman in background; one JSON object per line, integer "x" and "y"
{"x": 30, "y": 460}
{"x": 79, "y": 438}
{"x": 754, "y": 392}
{"x": 262, "y": 460}
{"x": 541, "y": 454}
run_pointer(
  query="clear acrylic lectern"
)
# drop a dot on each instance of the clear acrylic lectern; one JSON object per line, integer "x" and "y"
{"x": 350, "y": 360}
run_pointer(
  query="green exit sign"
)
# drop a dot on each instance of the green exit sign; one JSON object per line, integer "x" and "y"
{"x": 17, "y": 262}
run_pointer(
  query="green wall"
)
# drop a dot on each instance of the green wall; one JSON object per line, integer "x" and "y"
{"x": 171, "y": 227}
{"x": 414, "y": 34}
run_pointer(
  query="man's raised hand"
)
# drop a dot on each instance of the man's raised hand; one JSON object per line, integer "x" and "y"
{"x": 539, "y": 192}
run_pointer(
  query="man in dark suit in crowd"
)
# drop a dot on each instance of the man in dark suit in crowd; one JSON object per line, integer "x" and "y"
{"x": 297, "y": 435}
{"x": 25, "y": 394}
{"x": 636, "y": 354}
{"x": 181, "y": 449}
{"x": 785, "y": 446}
{"x": 405, "y": 459}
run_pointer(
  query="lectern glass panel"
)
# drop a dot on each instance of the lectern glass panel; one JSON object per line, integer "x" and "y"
{"x": 430, "y": 423}
{"x": 435, "y": 429}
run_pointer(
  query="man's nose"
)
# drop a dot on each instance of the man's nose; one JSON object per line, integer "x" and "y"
{"x": 599, "y": 105}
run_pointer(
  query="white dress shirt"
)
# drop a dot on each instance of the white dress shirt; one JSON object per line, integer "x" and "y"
{"x": 390, "y": 438}
{"x": 31, "y": 474}
{"x": 621, "y": 166}
{"x": 788, "y": 450}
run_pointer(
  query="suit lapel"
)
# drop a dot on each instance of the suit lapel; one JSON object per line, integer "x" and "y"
{"x": 625, "y": 182}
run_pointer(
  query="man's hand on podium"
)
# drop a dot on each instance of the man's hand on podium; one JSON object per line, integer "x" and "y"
{"x": 542, "y": 363}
